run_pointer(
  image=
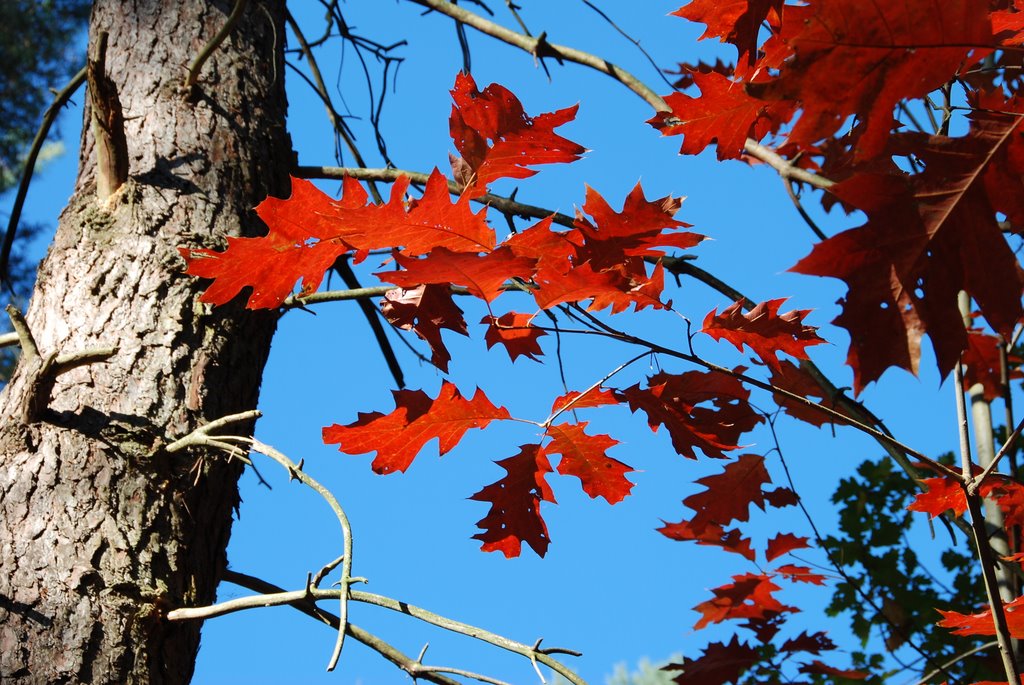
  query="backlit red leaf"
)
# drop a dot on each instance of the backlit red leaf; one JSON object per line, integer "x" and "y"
{"x": 497, "y": 139}
{"x": 483, "y": 275}
{"x": 425, "y": 309}
{"x": 763, "y": 330}
{"x": 944, "y": 493}
{"x": 597, "y": 397}
{"x": 309, "y": 231}
{"x": 728, "y": 495}
{"x": 416, "y": 420}
{"x": 710, "y": 534}
{"x": 514, "y": 516}
{"x": 800, "y": 574}
{"x": 784, "y": 543}
{"x": 720, "y": 663}
{"x": 584, "y": 456}
{"x": 514, "y": 332}
{"x": 856, "y": 57}
{"x": 789, "y": 376}
{"x": 724, "y": 114}
{"x": 982, "y": 622}
{"x": 748, "y": 596}
{"x": 700, "y": 410}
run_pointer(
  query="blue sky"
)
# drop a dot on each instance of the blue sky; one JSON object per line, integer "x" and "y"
{"x": 610, "y": 585}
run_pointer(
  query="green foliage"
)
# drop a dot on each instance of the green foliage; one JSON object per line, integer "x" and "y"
{"x": 872, "y": 546}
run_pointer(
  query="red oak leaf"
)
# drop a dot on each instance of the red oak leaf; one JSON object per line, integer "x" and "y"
{"x": 1008, "y": 25}
{"x": 516, "y": 140}
{"x": 309, "y": 231}
{"x": 712, "y": 535}
{"x": 784, "y": 543}
{"x": 483, "y": 275}
{"x": 399, "y": 436}
{"x": 612, "y": 287}
{"x": 789, "y": 376}
{"x": 584, "y": 456}
{"x": 733, "y": 21}
{"x": 982, "y": 361}
{"x": 861, "y": 58}
{"x": 800, "y": 574}
{"x": 425, "y": 309}
{"x": 748, "y": 596}
{"x": 763, "y": 330}
{"x": 928, "y": 237}
{"x": 596, "y": 397}
{"x": 720, "y": 663}
{"x": 514, "y": 516}
{"x": 982, "y": 623}
{"x": 818, "y": 667}
{"x": 728, "y": 495}
{"x": 680, "y": 404}
{"x": 513, "y": 330}
{"x": 781, "y": 497}
{"x": 610, "y": 237}
{"x": 724, "y": 114}
{"x": 944, "y": 493}
{"x": 814, "y": 644}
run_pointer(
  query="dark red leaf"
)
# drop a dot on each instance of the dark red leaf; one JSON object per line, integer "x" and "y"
{"x": 425, "y": 309}
{"x": 710, "y": 534}
{"x": 748, "y": 596}
{"x": 720, "y": 663}
{"x": 784, "y": 543}
{"x": 763, "y": 330}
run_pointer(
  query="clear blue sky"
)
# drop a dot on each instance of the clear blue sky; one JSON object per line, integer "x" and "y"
{"x": 610, "y": 585}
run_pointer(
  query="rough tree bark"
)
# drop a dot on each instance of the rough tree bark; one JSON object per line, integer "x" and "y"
{"x": 101, "y": 531}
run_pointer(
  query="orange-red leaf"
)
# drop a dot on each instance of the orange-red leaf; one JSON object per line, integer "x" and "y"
{"x": 416, "y": 420}
{"x": 724, "y": 114}
{"x": 801, "y": 574}
{"x": 497, "y": 139}
{"x": 784, "y": 543}
{"x": 514, "y": 332}
{"x": 425, "y": 309}
{"x": 710, "y": 534}
{"x": 982, "y": 622}
{"x": 944, "y": 493}
{"x": 748, "y": 596}
{"x": 598, "y": 397}
{"x": 483, "y": 275}
{"x": 584, "y": 456}
{"x": 861, "y": 58}
{"x": 701, "y": 410}
{"x": 733, "y": 21}
{"x": 720, "y": 663}
{"x": 514, "y": 516}
{"x": 309, "y": 231}
{"x": 763, "y": 330}
{"x": 728, "y": 495}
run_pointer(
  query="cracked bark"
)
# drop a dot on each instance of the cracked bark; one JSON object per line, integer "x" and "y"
{"x": 100, "y": 531}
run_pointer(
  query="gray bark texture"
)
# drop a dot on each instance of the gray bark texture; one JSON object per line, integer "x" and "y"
{"x": 101, "y": 532}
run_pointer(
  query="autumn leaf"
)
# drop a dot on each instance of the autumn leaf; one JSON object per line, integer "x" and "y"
{"x": 800, "y": 574}
{"x": 733, "y": 21}
{"x": 781, "y": 497}
{"x": 497, "y": 139}
{"x": 723, "y": 114}
{"x": 416, "y": 420}
{"x": 700, "y": 410}
{"x": 944, "y": 493}
{"x": 749, "y": 596}
{"x": 483, "y": 275}
{"x": 983, "y": 364}
{"x": 710, "y": 534}
{"x": 928, "y": 236}
{"x": 788, "y": 376}
{"x": 813, "y": 644}
{"x": 309, "y": 231}
{"x": 720, "y": 663}
{"x": 514, "y": 516}
{"x": 514, "y": 332}
{"x": 982, "y": 622}
{"x": 860, "y": 58}
{"x": 584, "y": 456}
{"x": 783, "y": 543}
{"x": 597, "y": 397}
{"x": 727, "y": 496}
{"x": 818, "y": 667}
{"x": 763, "y": 330}
{"x": 425, "y": 309}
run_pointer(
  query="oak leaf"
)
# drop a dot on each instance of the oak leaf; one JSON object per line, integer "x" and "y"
{"x": 584, "y": 456}
{"x": 783, "y": 543}
{"x": 514, "y": 332}
{"x": 710, "y": 534}
{"x": 514, "y": 516}
{"x": 763, "y": 330}
{"x": 720, "y": 663}
{"x": 749, "y": 596}
{"x": 416, "y": 420}
{"x": 497, "y": 139}
{"x": 425, "y": 309}
{"x": 483, "y": 275}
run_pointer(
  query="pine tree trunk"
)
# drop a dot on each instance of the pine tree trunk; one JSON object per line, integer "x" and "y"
{"x": 100, "y": 530}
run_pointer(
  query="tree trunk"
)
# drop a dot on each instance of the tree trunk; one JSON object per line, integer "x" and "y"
{"x": 100, "y": 530}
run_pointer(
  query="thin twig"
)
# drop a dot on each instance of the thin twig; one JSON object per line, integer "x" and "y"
{"x": 571, "y": 403}
{"x": 211, "y": 47}
{"x": 59, "y": 100}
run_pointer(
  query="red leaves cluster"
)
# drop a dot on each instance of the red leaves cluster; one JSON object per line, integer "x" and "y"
{"x": 929, "y": 234}
{"x": 763, "y": 330}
